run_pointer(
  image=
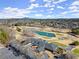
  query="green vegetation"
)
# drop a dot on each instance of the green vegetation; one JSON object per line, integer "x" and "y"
{"x": 60, "y": 50}
{"x": 75, "y": 31}
{"x": 76, "y": 51}
{"x": 59, "y": 44}
{"x": 3, "y": 36}
{"x": 75, "y": 43}
{"x": 18, "y": 29}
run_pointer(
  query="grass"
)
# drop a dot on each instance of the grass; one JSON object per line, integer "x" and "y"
{"x": 59, "y": 44}
{"x": 76, "y": 51}
{"x": 59, "y": 34}
{"x": 3, "y": 36}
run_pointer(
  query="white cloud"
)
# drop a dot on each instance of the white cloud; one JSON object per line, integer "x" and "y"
{"x": 33, "y": 6}
{"x": 39, "y": 15}
{"x": 10, "y": 12}
{"x": 47, "y": 0}
{"x": 73, "y": 7}
{"x": 44, "y": 16}
{"x": 30, "y": 7}
{"x": 46, "y": 5}
{"x": 75, "y": 11}
{"x": 49, "y": 16}
{"x": 55, "y": 1}
{"x": 60, "y": 7}
{"x": 76, "y": 14}
{"x": 64, "y": 13}
{"x": 58, "y": 1}
{"x": 52, "y": 5}
{"x": 32, "y": 0}
{"x": 75, "y": 2}
{"x": 51, "y": 8}
{"x": 70, "y": 12}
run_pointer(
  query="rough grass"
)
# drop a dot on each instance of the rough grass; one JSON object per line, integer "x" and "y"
{"x": 59, "y": 44}
{"x": 76, "y": 51}
{"x": 4, "y": 37}
{"x": 75, "y": 31}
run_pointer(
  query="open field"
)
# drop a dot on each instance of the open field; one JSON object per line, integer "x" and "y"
{"x": 56, "y": 41}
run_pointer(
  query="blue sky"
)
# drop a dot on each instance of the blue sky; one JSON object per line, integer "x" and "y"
{"x": 39, "y": 8}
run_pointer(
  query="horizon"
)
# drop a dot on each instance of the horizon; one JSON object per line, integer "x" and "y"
{"x": 39, "y": 18}
{"x": 39, "y": 9}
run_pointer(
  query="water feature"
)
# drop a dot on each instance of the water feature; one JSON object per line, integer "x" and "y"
{"x": 46, "y": 34}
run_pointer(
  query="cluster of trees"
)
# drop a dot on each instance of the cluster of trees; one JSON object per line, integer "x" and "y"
{"x": 56, "y": 23}
{"x": 75, "y": 43}
{"x": 75, "y": 31}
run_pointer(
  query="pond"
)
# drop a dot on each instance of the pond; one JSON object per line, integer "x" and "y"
{"x": 46, "y": 34}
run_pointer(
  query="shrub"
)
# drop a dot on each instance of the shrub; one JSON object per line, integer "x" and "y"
{"x": 60, "y": 50}
{"x": 18, "y": 29}
{"x": 75, "y": 43}
{"x": 75, "y": 31}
